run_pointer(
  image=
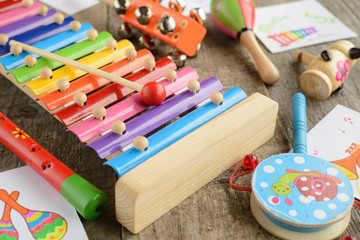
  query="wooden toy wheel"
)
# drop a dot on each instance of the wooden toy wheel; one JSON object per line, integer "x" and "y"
{"x": 316, "y": 84}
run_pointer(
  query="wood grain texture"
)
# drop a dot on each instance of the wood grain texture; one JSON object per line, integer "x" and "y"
{"x": 164, "y": 180}
{"x": 215, "y": 211}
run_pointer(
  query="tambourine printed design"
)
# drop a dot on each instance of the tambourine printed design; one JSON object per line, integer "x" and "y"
{"x": 302, "y": 189}
{"x": 313, "y": 185}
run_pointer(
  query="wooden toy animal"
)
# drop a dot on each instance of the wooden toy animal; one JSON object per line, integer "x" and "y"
{"x": 327, "y": 72}
{"x": 235, "y": 18}
{"x": 297, "y": 196}
{"x": 185, "y": 155}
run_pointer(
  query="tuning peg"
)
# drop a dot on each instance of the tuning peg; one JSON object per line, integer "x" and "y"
{"x": 75, "y": 26}
{"x": 92, "y": 34}
{"x": 170, "y": 75}
{"x": 166, "y": 24}
{"x": 177, "y": 5}
{"x": 99, "y": 112}
{"x": 198, "y": 14}
{"x": 193, "y": 86}
{"x": 16, "y": 50}
{"x": 121, "y": 6}
{"x": 3, "y": 39}
{"x": 43, "y": 10}
{"x": 27, "y": 3}
{"x": 140, "y": 143}
{"x": 217, "y": 98}
{"x": 58, "y": 18}
{"x": 143, "y": 15}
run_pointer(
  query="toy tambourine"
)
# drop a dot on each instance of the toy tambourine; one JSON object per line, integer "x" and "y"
{"x": 297, "y": 196}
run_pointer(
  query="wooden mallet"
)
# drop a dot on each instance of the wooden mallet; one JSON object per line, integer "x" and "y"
{"x": 152, "y": 93}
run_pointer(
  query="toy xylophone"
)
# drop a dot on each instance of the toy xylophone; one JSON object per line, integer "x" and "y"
{"x": 183, "y": 33}
{"x": 161, "y": 170}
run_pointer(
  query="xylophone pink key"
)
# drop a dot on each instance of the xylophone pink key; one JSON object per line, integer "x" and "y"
{"x": 127, "y": 108}
{"x": 112, "y": 93}
{"x": 8, "y": 5}
{"x": 27, "y": 24}
{"x": 18, "y": 14}
{"x": 155, "y": 118}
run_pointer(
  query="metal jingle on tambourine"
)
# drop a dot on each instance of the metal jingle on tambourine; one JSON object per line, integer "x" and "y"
{"x": 125, "y": 30}
{"x": 166, "y": 25}
{"x": 143, "y": 15}
{"x": 177, "y": 57}
{"x": 198, "y": 14}
{"x": 147, "y": 41}
{"x": 177, "y": 5}
{"x": 121, "y": 6}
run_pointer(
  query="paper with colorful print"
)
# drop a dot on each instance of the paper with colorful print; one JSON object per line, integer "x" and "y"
{"x": 297, "y": 24}
{"x": 336, "y": 138}
{"x": 48, "y": 215}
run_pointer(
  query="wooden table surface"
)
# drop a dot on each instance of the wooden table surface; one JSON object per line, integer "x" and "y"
{"x": 216, "y": 211}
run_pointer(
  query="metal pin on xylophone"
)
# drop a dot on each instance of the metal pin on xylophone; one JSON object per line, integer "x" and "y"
{"x": 158, "y": 172}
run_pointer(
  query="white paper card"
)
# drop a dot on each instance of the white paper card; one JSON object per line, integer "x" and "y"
{"x": 336, "y": 138}
{"x": 70, "y": 7}
{"x": 297, "y": 24}
{"x": 36, "y": 194}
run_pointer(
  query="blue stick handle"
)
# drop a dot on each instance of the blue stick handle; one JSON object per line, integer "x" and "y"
{"x": 299, "y": 123}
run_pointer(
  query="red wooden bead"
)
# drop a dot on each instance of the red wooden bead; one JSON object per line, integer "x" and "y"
{"x": 349, "y": 238}
{"x": 153, "y": 93}
{"x": 250, "y": 161}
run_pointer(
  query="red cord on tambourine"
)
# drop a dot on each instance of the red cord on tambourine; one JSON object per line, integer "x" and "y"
{"x": 250, "y": 162}
{"x": 356, "y": 203}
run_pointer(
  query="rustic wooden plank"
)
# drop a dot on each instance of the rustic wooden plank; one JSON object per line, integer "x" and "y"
{"x": 216, "y": 211}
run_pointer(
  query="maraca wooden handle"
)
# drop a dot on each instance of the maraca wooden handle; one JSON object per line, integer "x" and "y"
{"x": 299, "y": 123}
{"x": 267, "y": 70}
{"x": 7, "y": 209}
{"x": 6, "y": 198}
